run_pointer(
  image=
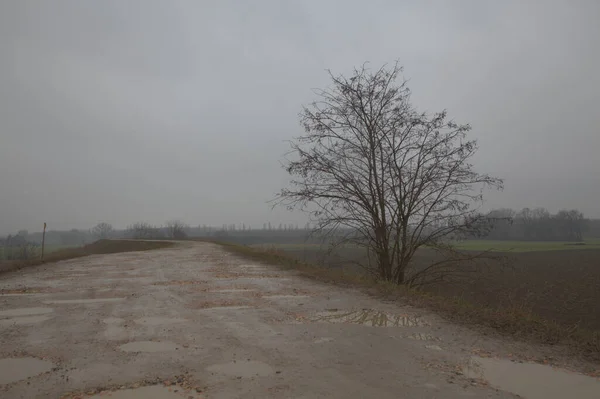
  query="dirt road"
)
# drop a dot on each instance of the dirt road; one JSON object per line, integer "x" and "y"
{"x": 196, "y": 322}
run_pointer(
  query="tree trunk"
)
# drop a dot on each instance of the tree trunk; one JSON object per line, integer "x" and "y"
{"x": 400, "y": 279}
{"x": 385, "y": 268}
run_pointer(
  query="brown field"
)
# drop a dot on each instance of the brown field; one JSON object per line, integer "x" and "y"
{"x": 560, "y": 286}
{"x": 549, "y": 297}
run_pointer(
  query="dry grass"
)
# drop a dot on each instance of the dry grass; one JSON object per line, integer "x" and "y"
{"x": 97, "y": 248}
{"x": 514, "y": 320}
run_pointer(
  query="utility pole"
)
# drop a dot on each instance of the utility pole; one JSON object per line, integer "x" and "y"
{"x": 43, "y": 240}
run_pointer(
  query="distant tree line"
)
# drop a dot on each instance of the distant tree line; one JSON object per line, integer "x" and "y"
{"x": 64, "y": 238}
{"x": 17, "y": 247}
{"x": 173, "y": 229}
{"x": 507, "y": 224}
{"x": 539, "y": 224}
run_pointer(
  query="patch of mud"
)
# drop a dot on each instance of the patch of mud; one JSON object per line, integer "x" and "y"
{"x": 81, "y": 301}
{"x": 17, "y": 369}
{"x": 130, "y": 272}
{"x": 17, "y": 321}
{"x": 151, "y": 392}
{"x": 149, "y": 346}
{"x": 531, "y": 380}
{"x": 25, "y": 312}
{"x": 367, "y": 317}
{"x": 180, "y": 386}
{"x": 26, "y": 291}
{"x": 243, "y": 369}
{"x": 158, "y": 321}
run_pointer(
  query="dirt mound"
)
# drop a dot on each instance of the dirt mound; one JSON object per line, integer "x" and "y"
{"x": 115, "y": 246}
{"x": 96, "y": 248}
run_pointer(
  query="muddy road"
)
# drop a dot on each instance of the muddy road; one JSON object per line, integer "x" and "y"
{"x": 194, "y": 321}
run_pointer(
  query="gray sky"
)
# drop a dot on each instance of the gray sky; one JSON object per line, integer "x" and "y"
{"x": 123, "y": 111}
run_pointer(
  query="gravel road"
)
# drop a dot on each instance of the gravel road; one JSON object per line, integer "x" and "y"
{"x": 194, "y": 321}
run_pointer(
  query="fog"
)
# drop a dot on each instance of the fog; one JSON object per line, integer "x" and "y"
{"x": 151, "y": 110}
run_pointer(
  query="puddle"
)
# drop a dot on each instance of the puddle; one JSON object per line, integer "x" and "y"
{"x": 232, "y": 290}
{"x": 533, "y": 381}
{"x": 151, "y": 392}
{"x": 82, "y": 301}
{"x": 423, "y": 337}
{"x": 17, "y": 321}
{"x": 180, "y": 282}
{"x": 225, "y": 307}
{"x": 25, "y": 312}
{"x": 16, "y": 369}
{"x": 253, "y": 267}
{"x": 242, "y": 368}
{"x": 157, "y": 321}
{"x": 282, "y": 279}
{"x": 322, "y": 340}
{"x": 251, "y": 280}
{"x": 149, "y": 346}
{"x": 367, "y": 317}
{"x": 285, "y": 296}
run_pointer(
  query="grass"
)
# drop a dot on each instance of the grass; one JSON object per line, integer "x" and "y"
{"x": 513, "y": 319}
{"x": 35, "y": 251}
{"x": 95, "y": 248}
{"x": 53, "y": 248}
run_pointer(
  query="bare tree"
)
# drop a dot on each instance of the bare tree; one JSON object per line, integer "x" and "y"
{"x": 102, "y": 230}
{"x": 373, "y": 172}
{"x": 176, "y": 229}
{"x": 143, "y": 230}
{"x": 572, "y": 224}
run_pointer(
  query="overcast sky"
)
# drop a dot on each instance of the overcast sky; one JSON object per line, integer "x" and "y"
{"x": 123, "y": 111}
